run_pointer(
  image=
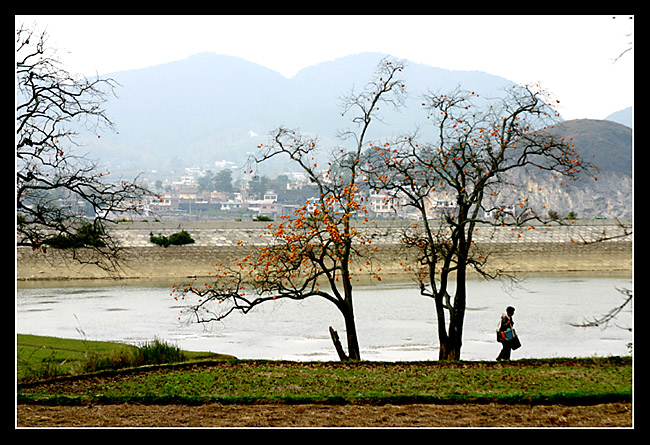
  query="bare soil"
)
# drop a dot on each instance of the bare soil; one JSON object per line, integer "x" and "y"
{"x": 617, "y": 415}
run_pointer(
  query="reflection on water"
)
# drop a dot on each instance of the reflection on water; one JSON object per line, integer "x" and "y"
{"x": 394, "y": 321}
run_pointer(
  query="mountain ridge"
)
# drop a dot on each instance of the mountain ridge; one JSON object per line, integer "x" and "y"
{"x": 208, "y": 108}
{"x": 208, "y": 105}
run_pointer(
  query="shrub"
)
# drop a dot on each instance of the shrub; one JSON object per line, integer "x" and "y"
{"x": 87, "y": 236}
{"x": 177, "y": 239}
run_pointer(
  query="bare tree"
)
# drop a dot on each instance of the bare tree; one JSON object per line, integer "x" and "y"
{"x": 312, "y": 253}
{"x": 630, "y": 44}
{"x": 626, "y": 230}
{"x": 62, "y": 198}
{"x": 604, "y": 320}
{"x": 475, "y": 144}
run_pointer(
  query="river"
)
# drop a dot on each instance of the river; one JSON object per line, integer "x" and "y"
{"x": 394, "y": 322}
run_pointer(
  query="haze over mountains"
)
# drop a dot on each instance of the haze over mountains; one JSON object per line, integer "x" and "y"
{"x": 209, "y": 108}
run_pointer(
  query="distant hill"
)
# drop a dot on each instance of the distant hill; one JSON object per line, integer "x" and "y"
{"x": 209, "y": 108}
{"x": 604, "y": 143}
{"x": 607, "y": 146}
{"x": 624, "y": 117}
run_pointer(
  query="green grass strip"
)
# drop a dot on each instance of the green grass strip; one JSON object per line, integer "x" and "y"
{"x": 567, "y": 381}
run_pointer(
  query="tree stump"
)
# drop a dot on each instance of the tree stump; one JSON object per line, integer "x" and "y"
{"x": 337, "y": 344}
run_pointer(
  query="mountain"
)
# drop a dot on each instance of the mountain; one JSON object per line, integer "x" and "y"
{"x": 210, "y": 108}
{"x": 604, "y": 143}
{"x": 196, "y": 110}
{"x": 624, "y": 117}
{"x": 607, "y": 146}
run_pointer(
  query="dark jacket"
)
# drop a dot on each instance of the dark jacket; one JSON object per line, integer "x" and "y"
{"x": 506, "y": 322}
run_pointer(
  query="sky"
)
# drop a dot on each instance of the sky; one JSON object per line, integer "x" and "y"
{"x": 572, "y": 56}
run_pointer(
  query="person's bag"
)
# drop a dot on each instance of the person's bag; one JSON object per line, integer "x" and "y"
{"x": 512, "y": 338}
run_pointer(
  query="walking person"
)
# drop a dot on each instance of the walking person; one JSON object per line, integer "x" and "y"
{"x": 508, "y": 344}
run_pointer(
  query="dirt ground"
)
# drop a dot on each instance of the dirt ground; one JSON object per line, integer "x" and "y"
{"x": 611, "y": 415}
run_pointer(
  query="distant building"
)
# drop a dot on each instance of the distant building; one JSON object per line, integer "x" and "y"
{"x": 189, "y": 192}
{"x": 381, "y": 205}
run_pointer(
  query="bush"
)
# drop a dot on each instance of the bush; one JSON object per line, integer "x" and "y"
{"x": 177, "y": 239}
{"x": 88, "y": 235}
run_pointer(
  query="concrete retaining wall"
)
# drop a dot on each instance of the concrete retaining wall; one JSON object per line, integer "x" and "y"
{"x": 542, "y": 249}
{"x": 136, "y": 234}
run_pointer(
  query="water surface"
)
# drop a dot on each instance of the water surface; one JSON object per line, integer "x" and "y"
{"x": 393, "y": 321}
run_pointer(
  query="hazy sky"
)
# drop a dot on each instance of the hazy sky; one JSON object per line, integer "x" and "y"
{"x": 572, "y": 56}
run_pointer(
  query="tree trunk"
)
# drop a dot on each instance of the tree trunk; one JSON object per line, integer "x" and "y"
{"x": 451, "y": 340}
{"x": 451, "y": 344}
{"x": 337, "y": 345}
{"x": 449, "y": 350}
{"x": 353, "y": 343}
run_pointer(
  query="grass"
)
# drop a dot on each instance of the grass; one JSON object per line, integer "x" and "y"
{"x": 39, "y": 357}
{"x": 233, "y": 381}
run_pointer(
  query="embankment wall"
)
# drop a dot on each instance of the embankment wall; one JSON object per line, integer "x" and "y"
{"x": 555, "y": 248}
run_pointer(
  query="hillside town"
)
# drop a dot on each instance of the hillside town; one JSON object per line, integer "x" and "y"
{"x": 260, "y": 197}
{"x": 201, "y": 195}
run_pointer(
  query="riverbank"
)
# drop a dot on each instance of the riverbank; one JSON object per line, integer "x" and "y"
{"x": 558, "y": 247}
{"x": 155, "y": 262}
